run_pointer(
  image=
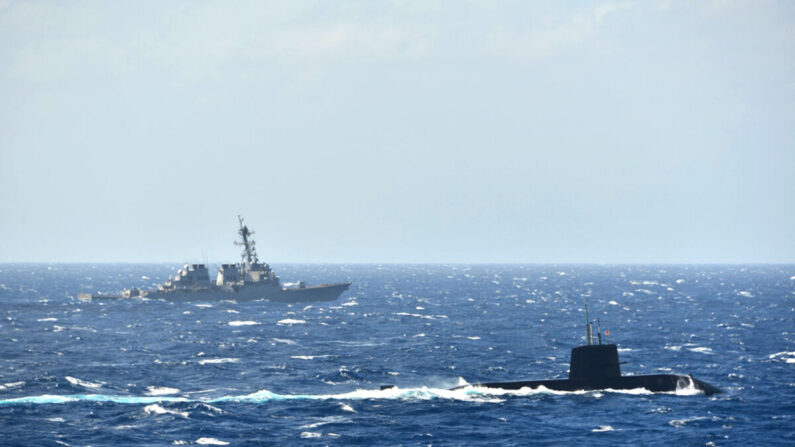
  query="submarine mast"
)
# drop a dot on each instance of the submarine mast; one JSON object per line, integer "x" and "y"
{"x": 588, "y": 327}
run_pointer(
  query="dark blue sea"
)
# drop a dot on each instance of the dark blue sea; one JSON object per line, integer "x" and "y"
{"x": 158, "y": 373}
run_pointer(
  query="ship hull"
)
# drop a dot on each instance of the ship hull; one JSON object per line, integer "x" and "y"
{"x": 249, "y": 292}
{"x": 656, "y": 383}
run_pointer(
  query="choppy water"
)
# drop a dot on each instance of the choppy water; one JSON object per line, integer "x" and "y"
{"x": 225, "y": 373}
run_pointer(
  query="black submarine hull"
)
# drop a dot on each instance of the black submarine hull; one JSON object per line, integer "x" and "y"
{"x": 596, "y": 367}
{"x": 656, "y": 383}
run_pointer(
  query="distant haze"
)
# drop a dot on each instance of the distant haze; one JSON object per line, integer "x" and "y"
{"x": 405, "y": 131}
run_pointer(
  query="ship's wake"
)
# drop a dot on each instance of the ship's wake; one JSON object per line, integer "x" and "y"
{"x": 466, "y": 393}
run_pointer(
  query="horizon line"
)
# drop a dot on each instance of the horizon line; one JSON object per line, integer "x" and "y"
{"x": 570, "y": 263}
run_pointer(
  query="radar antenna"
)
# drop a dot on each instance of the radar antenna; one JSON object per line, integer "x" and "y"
{"x": 249, "y": 255}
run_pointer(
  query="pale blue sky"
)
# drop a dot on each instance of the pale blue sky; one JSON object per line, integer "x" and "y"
{"x": 398, "y": 131}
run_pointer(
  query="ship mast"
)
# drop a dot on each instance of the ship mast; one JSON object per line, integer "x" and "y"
{"x": 249, "y": 255}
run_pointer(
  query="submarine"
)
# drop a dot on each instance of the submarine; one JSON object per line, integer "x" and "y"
{"x": 597, "y": 367}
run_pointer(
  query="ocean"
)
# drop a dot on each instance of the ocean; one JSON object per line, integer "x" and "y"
{"x": 158, "y": 373}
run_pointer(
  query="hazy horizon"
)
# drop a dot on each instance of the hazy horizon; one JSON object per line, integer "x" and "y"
{"x": 605, "y": 132}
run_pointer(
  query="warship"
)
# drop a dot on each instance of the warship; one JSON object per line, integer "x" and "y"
{"x": 248, "y": 280}
{"x": 596, "y": 367}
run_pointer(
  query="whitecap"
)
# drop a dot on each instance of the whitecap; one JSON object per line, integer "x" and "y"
{"x": 56, "y": 419}
{"x": 213, "y": 409}
{"x": 474, "y": 338}
{"x": 327, "y": 420}
{"x": 210, "y": 441}
{"x": 160, "y": 390}
{"x": 8, "y": 385}
{"x": 216, "y": 361}
{"x": 83, "y": 383}
{"x": 302, "y": 357}
{"x": 745, "y": 293}
{"x": 283, "y": 340}
{"x": 350, "y": 303}
{"x": 786, "y": 356}
{"x": 309, "y": 434}
{"x": 633, "y": 391}
{"x": 612, "y": 303}
{"x": 701, "y": 350}
{"x": 204, "y": 306}
{"x": 683, "y": 422}
{"x": 406, "y": 314}
{"x": 346, "y": 407}
{"x": 465, "y": 393}
{"x": 242, "y": 323}
{"x": 602, "y": 428}
{"x": 291, "y": 321}
{"x": 157, "y": 409}
{"x": 61, "y": 399}
{"x": 686, "y": 387}
{"x": 47, "y": 319}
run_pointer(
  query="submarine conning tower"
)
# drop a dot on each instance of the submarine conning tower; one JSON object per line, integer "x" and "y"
{"x": 594, "y": 361}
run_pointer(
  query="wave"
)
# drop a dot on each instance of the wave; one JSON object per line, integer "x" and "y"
{"x": 210, "y": 441}
{"x": 83, "y": 383}
{"x": 216, "y": 361}
{"x": 291, "y": 321}
{"x": 8, "y": 385}
{"x": 157, "y": 409}
{"x": 242, "y": 323}
{"x": 701, "y": 350}
{"x": 63, "y": 399}
{"x": 783, "y": 356}
{"x": 160, "y": 390}
{"x": 467, "y": 393}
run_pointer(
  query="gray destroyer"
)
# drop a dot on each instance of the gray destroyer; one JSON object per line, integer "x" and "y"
{"x": 248, "y": 280}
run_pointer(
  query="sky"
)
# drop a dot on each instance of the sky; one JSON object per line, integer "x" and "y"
{"x": 398, "y": 131}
